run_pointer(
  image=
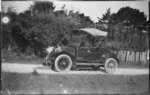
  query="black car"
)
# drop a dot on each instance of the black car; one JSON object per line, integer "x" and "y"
{"x": 81, "y": 47}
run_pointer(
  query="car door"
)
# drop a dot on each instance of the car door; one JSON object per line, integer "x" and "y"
{"x": 84, "y": 52}
{"x": 89, "y": 54}
{"x": 95, "y": 54}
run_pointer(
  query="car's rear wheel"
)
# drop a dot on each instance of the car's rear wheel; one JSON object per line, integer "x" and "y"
{"x": 111, "y": 65}
{"x": 63, "y": 63}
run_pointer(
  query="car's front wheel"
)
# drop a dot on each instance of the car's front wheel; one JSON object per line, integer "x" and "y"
{"x": 63, "y": 63}
{"x": 111, "y": 65}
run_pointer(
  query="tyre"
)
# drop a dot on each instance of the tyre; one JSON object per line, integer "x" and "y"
{"x": 111, "y": 65}
{"x": 63, "y": 63}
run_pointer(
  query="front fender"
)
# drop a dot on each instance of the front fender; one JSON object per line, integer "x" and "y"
{"x": 67, "y": 53}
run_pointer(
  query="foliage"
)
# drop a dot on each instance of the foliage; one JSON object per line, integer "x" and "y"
{"x": 130, "y": 16}
{"x": 126, "y": 26}
{"x": 42, "y": 7}
{"x": 32, "y": 31}
{"x": 106, "y": 17}
{"x": 11, "y": 56}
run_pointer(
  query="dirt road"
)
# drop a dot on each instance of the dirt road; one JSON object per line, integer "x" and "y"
{"x": 38, "y": 79}
{"x": 29, "y": 68}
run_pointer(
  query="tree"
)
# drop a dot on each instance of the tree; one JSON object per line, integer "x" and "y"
{"x": 105, "y": 20}
{"x": 106, "y": 17}
{"x": 131, "y": 17}
{"x": 7, "y": 39}
{"x": 43, "y": 7}
{"x": 126, "y": 26}
{"x": 29, "y": 34}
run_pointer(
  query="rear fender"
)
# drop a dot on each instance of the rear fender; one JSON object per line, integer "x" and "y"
{"x": 110, "y": 56}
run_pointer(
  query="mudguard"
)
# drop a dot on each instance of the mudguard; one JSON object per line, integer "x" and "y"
{"x": 67, "y": 53}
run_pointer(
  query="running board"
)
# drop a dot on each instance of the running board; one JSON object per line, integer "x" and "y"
{"x": 89, "y": 64}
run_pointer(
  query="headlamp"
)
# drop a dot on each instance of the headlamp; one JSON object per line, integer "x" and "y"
{"x": 50, "y": 49}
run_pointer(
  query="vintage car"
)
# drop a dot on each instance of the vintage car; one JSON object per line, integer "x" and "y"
{"x": 81, "y": 47}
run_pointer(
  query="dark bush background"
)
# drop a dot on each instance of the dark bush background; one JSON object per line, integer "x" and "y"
{"x": 29, "y": 33}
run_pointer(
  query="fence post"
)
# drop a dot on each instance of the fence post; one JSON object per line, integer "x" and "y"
{"x": 132, "y": 56}
{"x": 143, "y": 58}
{"x": 118, "y": 55}
{"x": 137, "y": 56}
{"x": 121, "y": 55}
{"x": 127, "y": 56}
{"x": 124, "y": 56}
{"x": 147, "y": 55}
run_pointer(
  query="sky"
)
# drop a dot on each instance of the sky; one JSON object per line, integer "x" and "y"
{"x": 94, "y": 9}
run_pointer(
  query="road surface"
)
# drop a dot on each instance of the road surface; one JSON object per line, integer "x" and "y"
{"x": 37, "y": 79}
{"x": 30, "y": 68}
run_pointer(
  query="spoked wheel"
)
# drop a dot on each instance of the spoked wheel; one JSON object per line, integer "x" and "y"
{"x": 111, "y": 65}
{"x": 63, "y": 63}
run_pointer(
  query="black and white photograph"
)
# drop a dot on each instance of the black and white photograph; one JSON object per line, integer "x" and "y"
{"x": 74, "y": 47}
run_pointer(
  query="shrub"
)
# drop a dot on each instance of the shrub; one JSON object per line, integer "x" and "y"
{"x": 10, "y": 56}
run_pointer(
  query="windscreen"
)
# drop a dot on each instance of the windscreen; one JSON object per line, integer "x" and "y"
{"x": 75, "y": 39}
{"x": 64, "y": 42}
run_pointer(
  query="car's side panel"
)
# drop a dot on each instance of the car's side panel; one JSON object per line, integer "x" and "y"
{"x": 89, "y": 54}
{"x": 97, "y": 55}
